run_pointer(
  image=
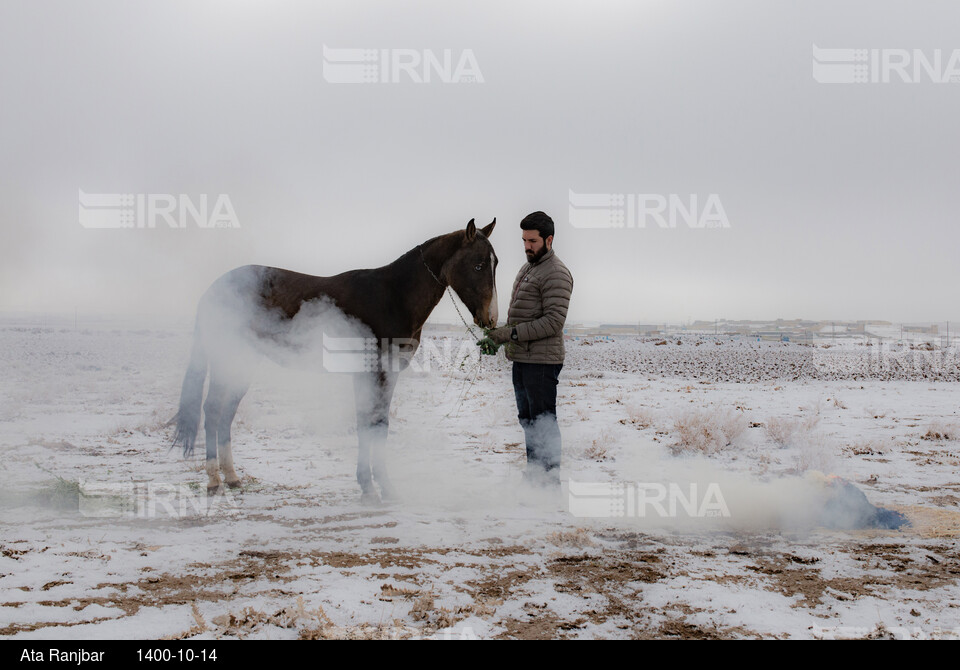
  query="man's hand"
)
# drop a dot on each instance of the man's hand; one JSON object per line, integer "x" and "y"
{"x": 488, "y": 346}
{"x": 493, "y": 339}
{"x": 500, "y": 335}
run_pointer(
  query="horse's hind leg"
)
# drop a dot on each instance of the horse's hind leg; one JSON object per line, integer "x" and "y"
{"x": 224, "y": 445}
{"x": 212, "y": 409}
{"x": 223, "y": 397}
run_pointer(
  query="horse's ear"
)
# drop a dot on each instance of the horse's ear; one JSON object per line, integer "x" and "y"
{"x": 486, "y": 230}
{"x": 471, "y": 231}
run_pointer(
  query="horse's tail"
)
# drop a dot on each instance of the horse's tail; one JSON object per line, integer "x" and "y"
{"x": 191, "y": 396}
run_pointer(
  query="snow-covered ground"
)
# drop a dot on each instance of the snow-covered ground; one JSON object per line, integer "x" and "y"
{"x": 468, "y": 551}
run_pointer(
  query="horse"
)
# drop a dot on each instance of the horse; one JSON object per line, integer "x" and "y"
{"x": 254, "y": 310}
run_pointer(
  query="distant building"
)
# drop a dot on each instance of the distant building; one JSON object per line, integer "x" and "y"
{"x": 929, "y": 330}
{"x": 617, "y": 329}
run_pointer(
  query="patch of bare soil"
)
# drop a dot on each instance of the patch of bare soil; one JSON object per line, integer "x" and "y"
{"x": 929, "y": 522}
{"x": 677, "y": 628}
{"x": 595, "y": 574}
{"x": 783, "y": 575}
{"x": 613, "y": 576}
{"x": 883, "y": 567}
{"x": 609, "y": 580}
{"x": 219, "y": 582}
{"x": 545, "y": 626}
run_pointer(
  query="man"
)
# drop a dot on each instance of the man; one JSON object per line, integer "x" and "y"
{"x": 534, "y": 342}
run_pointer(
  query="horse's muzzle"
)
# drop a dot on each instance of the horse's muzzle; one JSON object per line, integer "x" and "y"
{"x": 489, "y": 323}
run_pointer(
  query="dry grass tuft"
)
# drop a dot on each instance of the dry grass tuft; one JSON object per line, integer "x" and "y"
{"x": 578, "y": 538}
{"x": 786, "y": 432}
{"x": 940, "y": 430}
{"x": 814, "y": 452}
{"x": 874, "y": 447}
{"x": 639, "y": 416}
{"x": 707, "y": 431}
{"x": 196, "y": 629}
{"x": 598, "y": 449}
{"x": 249, "y": 619}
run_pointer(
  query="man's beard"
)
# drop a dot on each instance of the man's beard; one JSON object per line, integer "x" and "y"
{"x": 534, "y": 257}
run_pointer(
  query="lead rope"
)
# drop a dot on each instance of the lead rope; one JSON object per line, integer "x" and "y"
{"x": 464, "y": 387}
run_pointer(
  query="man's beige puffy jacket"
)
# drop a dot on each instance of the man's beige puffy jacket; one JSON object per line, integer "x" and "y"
{"x": 538, "y": 310}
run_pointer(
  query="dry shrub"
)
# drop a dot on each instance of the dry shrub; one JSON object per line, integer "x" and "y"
{"x": 423, "y": 607}
{"x": 639, "y": 416}
{"x": 786, "y": 432}
{"x": 815, "y": 407}
{"x": 381, "y": 631}
{"x": 435, "y": 618}
{"x": 578, "y": 538}
{"x": 249, "y": 619}
{"x": 940, "y": 430}
{"x": 597, "y": 451}
{"x": 389, "y": 591}
{"x": 866, "y": 448}
{"x": 814, "y": 452}
{"x": 707, "y": 431}
{"x": 780, "y": 430}
{"x": 617, "y": 397}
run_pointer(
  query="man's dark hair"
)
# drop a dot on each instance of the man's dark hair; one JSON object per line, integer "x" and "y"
{"x": 538, "y": 221}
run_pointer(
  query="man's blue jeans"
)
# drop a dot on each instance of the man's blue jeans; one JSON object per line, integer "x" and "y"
{"x": 535, "y": 385}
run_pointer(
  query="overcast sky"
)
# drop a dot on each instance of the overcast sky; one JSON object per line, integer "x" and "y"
{"x": 842, "y": 199}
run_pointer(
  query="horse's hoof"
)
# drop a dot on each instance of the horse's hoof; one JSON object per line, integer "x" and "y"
{"x": 235, "y": 484}
{"x": 370, "y": 499}
{"x": 213, "y": 490}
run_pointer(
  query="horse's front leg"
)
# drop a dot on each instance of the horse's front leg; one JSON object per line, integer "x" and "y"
{"x": 387, "y": 490}
{"x": 373, "y": 392}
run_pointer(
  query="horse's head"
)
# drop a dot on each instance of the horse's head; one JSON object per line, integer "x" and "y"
{"x": 472, "y": 272}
